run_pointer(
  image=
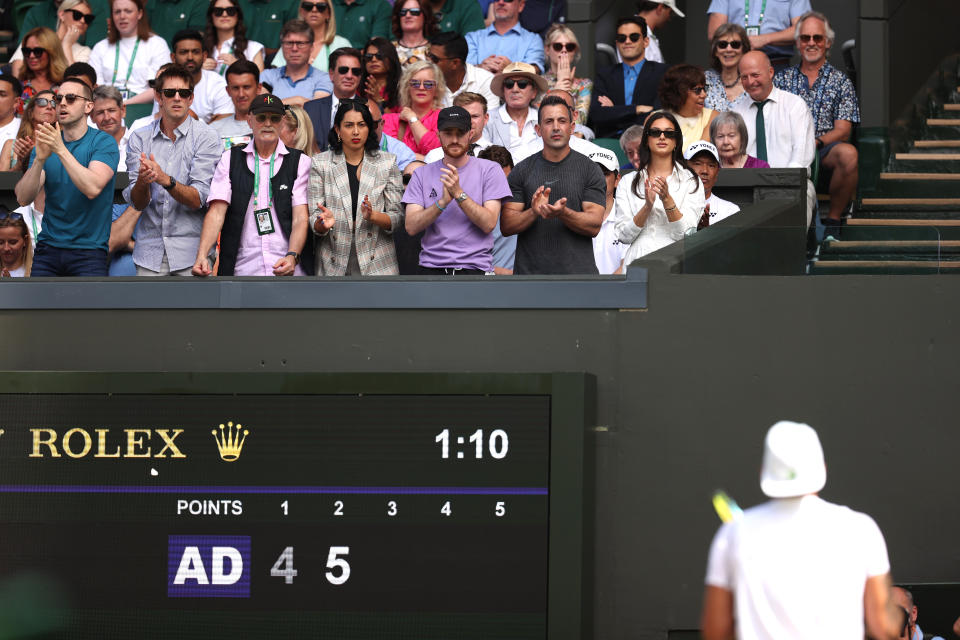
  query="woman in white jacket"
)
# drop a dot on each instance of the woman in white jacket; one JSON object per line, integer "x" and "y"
{"x": 664, "y": 199}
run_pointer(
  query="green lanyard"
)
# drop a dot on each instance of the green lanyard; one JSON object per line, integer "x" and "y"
{"x": 33, "y": 223}
{"x": 746, "y": 12}
{"x": 383, "y": 143}
{"x": 256, "y": 179}
{"x": 223, "y": 67}
{"x": 116, "y": 64}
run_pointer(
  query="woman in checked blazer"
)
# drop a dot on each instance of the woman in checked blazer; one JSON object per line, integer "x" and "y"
{"x": 354, "y": 198}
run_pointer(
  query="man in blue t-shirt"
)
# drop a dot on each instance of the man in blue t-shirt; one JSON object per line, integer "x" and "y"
{"x": 76, "y": 165}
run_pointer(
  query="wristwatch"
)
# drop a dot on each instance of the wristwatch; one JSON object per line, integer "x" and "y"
{"x": 296, "y": 256}
{"x": 173, "y": 183}
{"x": 463, "y": 196}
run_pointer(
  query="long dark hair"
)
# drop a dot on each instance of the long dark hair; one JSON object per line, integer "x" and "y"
{"x": 643, "y": 152}
{"x": 239, "y": 32}
{"x": 430, "y": 27}
{"x": 385, "y": 48}
{"x": 372, "y": 145}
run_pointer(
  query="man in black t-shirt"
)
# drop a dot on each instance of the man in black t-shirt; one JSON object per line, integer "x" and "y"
{"x": 558, "y": 200}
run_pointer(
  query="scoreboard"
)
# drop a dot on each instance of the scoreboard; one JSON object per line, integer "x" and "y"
{"x": 292, "y": 505}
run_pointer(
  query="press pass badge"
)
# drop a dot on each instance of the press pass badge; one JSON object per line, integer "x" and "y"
{"x": 753, "y": 31}
{"x": 264, "y": 221}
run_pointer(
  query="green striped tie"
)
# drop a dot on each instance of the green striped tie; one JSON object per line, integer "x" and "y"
{"x": 761, "y": 131}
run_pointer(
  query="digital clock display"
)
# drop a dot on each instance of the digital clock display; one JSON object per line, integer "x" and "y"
{"x": 152, "y": 503}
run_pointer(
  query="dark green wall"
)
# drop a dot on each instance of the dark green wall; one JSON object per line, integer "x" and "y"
{"x": 686, "y": 389}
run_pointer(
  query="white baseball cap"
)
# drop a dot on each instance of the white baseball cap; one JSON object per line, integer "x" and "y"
{"x": 605, "y": 158}
{"x": 698, "y": 146}
{"x": 672, "y": 4}
{"x": 793, "y": 462}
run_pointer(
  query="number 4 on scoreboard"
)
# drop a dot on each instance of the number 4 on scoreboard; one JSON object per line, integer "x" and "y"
{"x": 283, "y": 567}
{"x": 337, "y": 565}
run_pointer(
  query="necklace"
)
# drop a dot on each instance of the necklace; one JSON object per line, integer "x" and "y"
{"x": 732, "y": 84}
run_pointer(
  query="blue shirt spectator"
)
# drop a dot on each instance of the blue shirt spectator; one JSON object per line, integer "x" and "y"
{"x": 306, "y": 87}
{"x": 832, "y": 96}
{"x": 505, "y": 41}
{"x": 765, "y": 19}
{"x": 630, "y": 74}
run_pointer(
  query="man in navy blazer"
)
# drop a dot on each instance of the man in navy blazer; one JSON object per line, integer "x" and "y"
{"x": 345, "y": 69}
{"x": 610, "y": 111}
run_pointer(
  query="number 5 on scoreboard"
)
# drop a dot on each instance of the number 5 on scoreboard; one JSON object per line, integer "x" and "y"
{"x": 334, "y": 562}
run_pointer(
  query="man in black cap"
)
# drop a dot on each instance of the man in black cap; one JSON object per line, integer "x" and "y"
{"x": 258, "y": 203}
{"x": 457, "y": 202}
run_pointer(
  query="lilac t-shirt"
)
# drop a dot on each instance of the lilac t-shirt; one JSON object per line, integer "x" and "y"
{"x": 453, "y": 240}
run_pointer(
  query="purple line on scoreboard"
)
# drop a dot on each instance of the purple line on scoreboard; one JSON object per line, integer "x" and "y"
{"x": 464, "y": 491}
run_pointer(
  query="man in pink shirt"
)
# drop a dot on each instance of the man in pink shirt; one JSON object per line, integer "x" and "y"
{"x": 258, "y": 203}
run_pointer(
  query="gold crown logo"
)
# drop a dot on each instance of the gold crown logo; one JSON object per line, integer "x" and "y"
{"x": 229, "y": 441}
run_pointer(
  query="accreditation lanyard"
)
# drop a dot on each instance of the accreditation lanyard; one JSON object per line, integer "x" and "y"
{"x": 746, "y": 13}
{"x": 116, "y": 63}
{"x": 263, "y": 218}
{"x": 223, "y": 67}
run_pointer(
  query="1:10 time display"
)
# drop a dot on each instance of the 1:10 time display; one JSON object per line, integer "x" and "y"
{"x": 497, "y": 444}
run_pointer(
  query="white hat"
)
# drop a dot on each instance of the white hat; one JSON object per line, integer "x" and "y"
{"x": 698, "y": 146}
{"x": 792, "y": 461}
{"x": 672, "y": 4}
{"x": 605, "y": 159}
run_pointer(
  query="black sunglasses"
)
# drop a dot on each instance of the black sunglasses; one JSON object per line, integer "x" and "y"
{"x": 314, "y": 6}
{"x": 733, "y": 44}
{"x": 622, "y": 37}
{"x": 412, "y": 12}
{"x": 698, "y": 89}
{"x": 817, "y": 37}
{"x": 33, "y": 52}
{"x": 224, "y": 11}
{"x": 345, "y": 70}
{"x": 510, "y": 82}
{"x": 670, "y": 134}
{"x": 560, "y": 46}
{"x": 80, "y": 15}
{"x": 69, "y": 98}
{"x": 12, "y": 215}
{"x": 370, "y": 56}
{"x": 184, "y": 93}
{"x": 274, "y": 118}
{"x": 437, "y": 59}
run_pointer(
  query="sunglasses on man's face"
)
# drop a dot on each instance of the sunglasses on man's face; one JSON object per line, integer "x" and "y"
{"x": 345, "y": 70}
{"x": 424, "y": 84}
{"x": 561, "y": 46}
{"x": 274, "y": 118}
{"x": 33, "y": 52}
{"x": 817, "y": 37}
{"x": 69, "y": 98}
{"x": 622, "y": 37}
{"x": 183, "y": 93}
{"x": 412, "y": 12}
{"x": 80, "y": 15}
{"x": 509, "y": 83}
{"x": 314, "y": 6}
{"x": 224, "y": 11}
{"x": 669, "y": 134}
{"x": 733, "y": 44}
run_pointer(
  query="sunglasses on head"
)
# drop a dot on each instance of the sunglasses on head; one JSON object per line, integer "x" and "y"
{"x": 33, "y": 52}
{"x": 69, "y": 98}
{"x": 370, "y": 56}
{"x": 509, "y": 83}
{"x": 224, "y": 11}
{"x": 412, "y": 12}
{"x": 817, "y": 37}
{"x": 183, "y": 93}
{"x": 424, "y": 84}
{"x": 622, "y": 37}
{"x": 274, "y": 118}
{"x": 11, "y": 215}
{"x": 345, "y": 70}
{"x": 669, "y": 134}
{"x": 80, "y": 15}
{"x": 733, "y": 44}
{"x": 561, "y": 46}
{"x": 314, "y": 6}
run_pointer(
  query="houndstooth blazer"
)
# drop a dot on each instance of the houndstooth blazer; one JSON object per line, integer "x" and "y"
{"x": 380, "y": 180}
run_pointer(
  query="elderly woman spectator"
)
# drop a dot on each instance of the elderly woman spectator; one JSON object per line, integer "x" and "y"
{"x": 413, "y": 24}
{"x": 380, "y": 81}
{"x": 319, "y": 15}
{"x": 131, "y": 54}
{"x": 354, "y": 198}
{"x": 16, "y": 249}
{"x": 563, "y": 53}
{"x": 727, "y": 46}
{"x": 682, "y": 93}
{"x": 225, "y": 37}
{"x": 44, "y": 61}
{"x": 421, "y": 94}
{"x": 73, "y": 19}
{"x": 664, "y": 199}
{"x": 296, "y": 130}
{"x": 728, "y": 133}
